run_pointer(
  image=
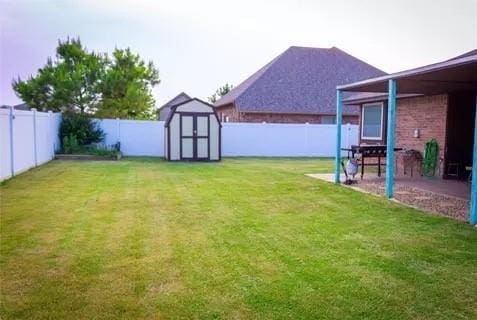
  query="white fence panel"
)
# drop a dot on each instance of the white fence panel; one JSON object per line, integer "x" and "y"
{"x": 23, "y": 141}
{"x": 5, "y": 150}
{"x": 34, "y": 140}
{"x": 42, "y": 137}
{"x": 284, "y": 140}
{"x": 111, "y": 131}
{"x": 137, "y": 137}
{"x": 146, "y": 138}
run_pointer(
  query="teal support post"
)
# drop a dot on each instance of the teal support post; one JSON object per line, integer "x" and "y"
{"x": 473, "y": 190}
{"x": 339, "y": 114}
{"x": 390, "y": 138}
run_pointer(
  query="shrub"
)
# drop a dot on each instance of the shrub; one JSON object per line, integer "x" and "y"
{"x": 84, "y": 129}
{"x": 70, "y": 144}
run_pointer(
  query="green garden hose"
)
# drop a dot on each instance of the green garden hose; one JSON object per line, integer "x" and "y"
{"x": 431, "y": 154}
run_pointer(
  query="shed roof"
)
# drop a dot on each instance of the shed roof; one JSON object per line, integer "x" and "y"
{"x": 300, "y": 80}
{"x": 174, "y": 107}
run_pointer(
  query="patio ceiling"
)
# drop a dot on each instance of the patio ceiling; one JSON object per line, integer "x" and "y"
{"x": 459, "y": 74}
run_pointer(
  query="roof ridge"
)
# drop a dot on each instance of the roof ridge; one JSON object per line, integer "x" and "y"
{"x": 244, "y": 85}
{"x": 177, "y": 96}
{"x": 306, "y": 47}
{"x": 360, "y": 60}
{"x": 298, "y": 80}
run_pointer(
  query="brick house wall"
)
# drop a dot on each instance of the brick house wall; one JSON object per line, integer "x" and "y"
{"x": 234, "y": 116}
{"x": 426, "y": 113}
{"x": 429, "y": 115}
{"x": 228, "y": 111}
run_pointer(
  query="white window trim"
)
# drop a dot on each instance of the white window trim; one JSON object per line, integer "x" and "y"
{"x": 382, "y": 122}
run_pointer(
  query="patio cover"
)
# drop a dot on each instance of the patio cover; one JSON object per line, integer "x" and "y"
{"x": 457, "y": 74}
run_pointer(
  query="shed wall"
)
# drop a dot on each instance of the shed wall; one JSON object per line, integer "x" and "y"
{"x": 214, "y": 138}
{"x": 175, "y": 137}
{"x": 194, "y": 106}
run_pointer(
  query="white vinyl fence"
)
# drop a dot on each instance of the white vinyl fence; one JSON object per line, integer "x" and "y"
{"x": 284, "y": 140}
{"x": 30, "y": 138}
{"x": 27, "y": 139}
{"x": 146, "y": 138}
{"x": 137, "y": 137}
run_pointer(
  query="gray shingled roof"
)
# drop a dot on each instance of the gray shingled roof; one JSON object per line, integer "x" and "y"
{"x": 164, "y": 110}
{"x": 181, "y": 97}
{"x": 300, "y": 80}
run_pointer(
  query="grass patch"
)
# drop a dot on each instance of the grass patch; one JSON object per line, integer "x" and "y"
{"x": 243, "y": 238}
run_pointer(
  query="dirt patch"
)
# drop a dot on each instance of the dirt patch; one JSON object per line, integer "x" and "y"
{"x": 441, "y": 204}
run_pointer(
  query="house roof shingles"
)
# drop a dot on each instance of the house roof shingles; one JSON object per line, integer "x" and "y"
{"x": 181, "y": 97}
{"x": 300, "y": 80}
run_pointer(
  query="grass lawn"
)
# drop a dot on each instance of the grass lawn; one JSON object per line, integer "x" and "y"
{"x": 244, "y": 238}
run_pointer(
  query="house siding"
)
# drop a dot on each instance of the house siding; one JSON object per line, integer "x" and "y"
{"x": 234, "y": 116}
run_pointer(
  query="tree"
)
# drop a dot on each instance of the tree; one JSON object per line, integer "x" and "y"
{"x": 86, "y": 82}
{"x": 68, "y": 83}
{"x": 126, "y": 87}
{"x": 220, "y": 92}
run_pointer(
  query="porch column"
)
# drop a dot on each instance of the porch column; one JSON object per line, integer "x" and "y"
{"x": 473, "y": 190}
{"x": 339, "y": 112}
{"x": 390, "y": 138}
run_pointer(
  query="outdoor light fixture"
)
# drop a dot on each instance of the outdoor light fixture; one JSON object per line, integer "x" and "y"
{"x": 417, "y": 133}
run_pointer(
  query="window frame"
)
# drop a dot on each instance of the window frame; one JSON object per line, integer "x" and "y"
{"x": 374, "y": 104}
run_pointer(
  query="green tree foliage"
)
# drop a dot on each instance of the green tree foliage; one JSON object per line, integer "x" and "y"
{"x": 126, "y": 87}
{"x": 220, "y": 92}
{"x": 68, "y": 83}
{"x": 86, "y": 82}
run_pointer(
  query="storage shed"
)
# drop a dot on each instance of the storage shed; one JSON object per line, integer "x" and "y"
{"x": 192, "y": 132}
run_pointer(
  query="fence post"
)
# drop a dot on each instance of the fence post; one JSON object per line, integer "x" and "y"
{"x": 307, "y": 140}
{"x": 11, "y": 116}
{"x": 35, "y": 156}
{"x": 348, "y": 135}
{"x": 51, "y": 142}
{"x": 118, "y": 130}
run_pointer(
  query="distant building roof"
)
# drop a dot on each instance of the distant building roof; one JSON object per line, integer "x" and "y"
{"x": 181, "y": 97}
{"x": 163, "y": 111}
{"x": 21, "y": 106}
{"x": 300, "y": 80}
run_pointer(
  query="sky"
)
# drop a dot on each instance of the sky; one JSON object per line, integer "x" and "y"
{"x": 200, "y": 45}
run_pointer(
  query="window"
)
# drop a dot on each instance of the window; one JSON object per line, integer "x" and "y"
{"x": 372, "y": 121}
{"x": 328, "y": 120}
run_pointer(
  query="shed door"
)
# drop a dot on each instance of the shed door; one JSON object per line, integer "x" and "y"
{"x": 194, "y": 137}
{"x": 202, "y": 134}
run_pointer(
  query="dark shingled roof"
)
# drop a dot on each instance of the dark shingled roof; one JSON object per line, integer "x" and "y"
{"x": 181, "y": 97}
{"x": 21, "y": 106}
{"x": 164, "y": 110}
{"x": 300, "y": 80}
